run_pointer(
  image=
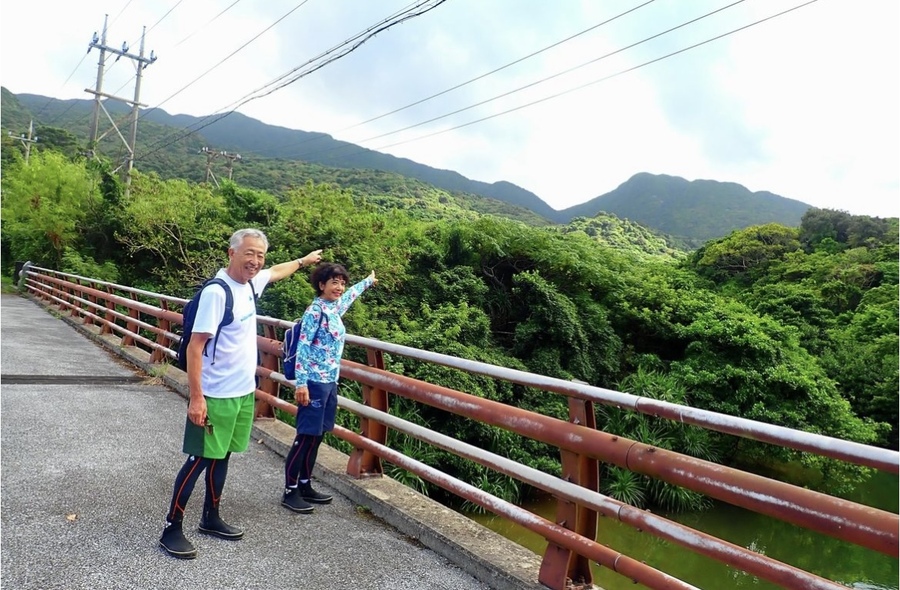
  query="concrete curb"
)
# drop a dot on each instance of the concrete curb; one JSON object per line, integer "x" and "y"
{"x": 484, "y": 554}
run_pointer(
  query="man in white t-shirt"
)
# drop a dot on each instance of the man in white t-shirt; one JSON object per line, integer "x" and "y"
{"x": 222, "y": 383}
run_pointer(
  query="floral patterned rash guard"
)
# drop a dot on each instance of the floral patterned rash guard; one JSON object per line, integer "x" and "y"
{"x": 322, "y": 335}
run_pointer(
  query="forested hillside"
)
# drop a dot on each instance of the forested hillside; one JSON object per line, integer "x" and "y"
{"x": 164, "y": 136}
{"x": 276, "y": 157}
{"x": 791, "y": 326}
{"x": 387, "y": 190}
{"x": 693, "y": 211}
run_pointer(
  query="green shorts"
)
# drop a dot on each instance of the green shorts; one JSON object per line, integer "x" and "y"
{"x": 231, "y": 419}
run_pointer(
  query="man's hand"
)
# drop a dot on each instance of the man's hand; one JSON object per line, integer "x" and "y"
{"x": 301, "y": 395}
{"x": 197, "y": 410}
{"x": 312, "y": 258}
{"x": 286, "y": 269}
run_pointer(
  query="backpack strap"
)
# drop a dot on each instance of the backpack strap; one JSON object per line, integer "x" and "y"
{"x": 321, "y": 317}
{"x": 255, "y": 302}
{"x": 227, "y": 317}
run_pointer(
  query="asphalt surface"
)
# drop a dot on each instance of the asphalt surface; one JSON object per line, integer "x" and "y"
{"x": 89, "y": 449}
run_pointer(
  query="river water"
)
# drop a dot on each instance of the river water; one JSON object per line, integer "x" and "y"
{"x": 855, "y": 567}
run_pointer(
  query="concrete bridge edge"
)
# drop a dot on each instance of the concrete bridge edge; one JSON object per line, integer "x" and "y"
{"x": 484, "y": 554}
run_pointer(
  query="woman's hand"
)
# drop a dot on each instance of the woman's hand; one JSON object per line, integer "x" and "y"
{"x": 372, "y": 276}
{"x": 301, "y": 395}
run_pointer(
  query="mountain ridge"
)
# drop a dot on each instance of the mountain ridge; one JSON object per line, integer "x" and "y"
{"x": 673, "y": 205}
{"x": 696, "y": 210}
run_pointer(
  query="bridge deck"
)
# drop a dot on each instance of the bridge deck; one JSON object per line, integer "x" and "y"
{"x": 87, "y": 468}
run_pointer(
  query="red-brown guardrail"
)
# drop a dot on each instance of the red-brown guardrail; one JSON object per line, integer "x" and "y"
{"x": 144, "y": 319}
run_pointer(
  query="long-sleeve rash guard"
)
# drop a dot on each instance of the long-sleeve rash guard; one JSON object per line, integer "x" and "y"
{"x": 322, "y": 334}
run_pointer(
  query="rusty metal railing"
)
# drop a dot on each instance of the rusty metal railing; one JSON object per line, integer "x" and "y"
{"x": 116, "y": 309}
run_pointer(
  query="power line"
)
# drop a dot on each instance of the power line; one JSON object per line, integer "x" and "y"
{"x": 163, "y": 17}
{"x": 133, "y": 77}
{"x": 359, "y": 38}
{"x": 60, "y": 115}
{"x": 345, "y": 48}
{"x": 501, "y": 68}
{"x": 109, "y": 68}
{"x": 209, "y": 22}
{"x": 195, "y": 31}
{"x": 43, "y": 108}
{"x": 115, "y": 18}
{"x": 229, "y": 56}
{"x": 75, "y": 69}
{"x": 553, "y": 76}
{"x": 605, "y": 78}
{"x": 505, "y": 94}
{"x": 475, "y": 79}
{"x": 153, "y": 26}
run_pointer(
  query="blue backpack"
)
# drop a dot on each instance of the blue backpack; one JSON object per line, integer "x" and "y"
{"x": 289, "y": 348}
{"x": 189, "y": 314}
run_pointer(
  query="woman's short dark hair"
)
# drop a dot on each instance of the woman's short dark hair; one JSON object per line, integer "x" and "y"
{"x": 325, "y": 272}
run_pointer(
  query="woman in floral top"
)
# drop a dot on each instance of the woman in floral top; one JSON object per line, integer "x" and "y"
{"x": 318, "y": 363}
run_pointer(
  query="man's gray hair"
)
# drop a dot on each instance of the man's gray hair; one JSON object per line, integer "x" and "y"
{"x": 237, "y": 237}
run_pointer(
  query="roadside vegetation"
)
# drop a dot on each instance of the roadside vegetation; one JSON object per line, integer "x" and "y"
{"x": 791, "y": 326}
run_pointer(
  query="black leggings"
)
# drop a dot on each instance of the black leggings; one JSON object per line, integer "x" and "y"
{"x": 216, "y": 471}
{"x": 298, "y": 465}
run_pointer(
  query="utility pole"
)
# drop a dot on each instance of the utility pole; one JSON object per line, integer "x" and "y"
{"x": 212, "y": 155}
{"x": 28, "y": 140}
{"x": 101, "y": 65}
{"x": 140, "y": 63}
{"x": 231, "y": 159}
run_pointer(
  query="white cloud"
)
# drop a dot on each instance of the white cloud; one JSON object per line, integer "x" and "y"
{"x": 804, "y": 105}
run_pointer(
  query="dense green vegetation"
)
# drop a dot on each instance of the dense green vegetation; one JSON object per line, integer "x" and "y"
{"x": 833, "y": 282}
{"x": 791, "y": 326}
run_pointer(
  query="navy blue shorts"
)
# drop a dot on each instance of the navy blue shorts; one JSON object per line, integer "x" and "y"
{"x": 317, "y": 418}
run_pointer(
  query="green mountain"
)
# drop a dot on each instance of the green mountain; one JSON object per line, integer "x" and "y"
{"x": 239, "y": 133}
{"x": 698, "y": 210}
{"x": 685, "y": 213}
{"x": 15, "y": 116}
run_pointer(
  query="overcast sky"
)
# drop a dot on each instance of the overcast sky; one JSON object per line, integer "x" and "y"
{"x": 804, "y": 105}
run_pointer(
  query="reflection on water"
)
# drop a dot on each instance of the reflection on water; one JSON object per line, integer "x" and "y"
{"x": 851, "y": 565}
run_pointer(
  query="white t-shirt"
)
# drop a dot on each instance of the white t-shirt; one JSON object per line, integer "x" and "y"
{"x": 232, "y": 373}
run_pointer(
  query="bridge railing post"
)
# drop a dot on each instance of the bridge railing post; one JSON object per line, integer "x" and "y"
{"x": 73, "y": 291}
{"x": 158, "y": 356}
{"x": 87, "y": 319}
{"x": 45, "y": 292}
{"x": 131, "y": 326}
{"x": 563, "y": 568}
{"x": 364, "y": 463}
{"x": 106, "y": 328}
{"x": 269, "y": 361}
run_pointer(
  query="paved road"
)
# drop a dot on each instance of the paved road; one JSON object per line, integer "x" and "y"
{"x": 89, "y": 453}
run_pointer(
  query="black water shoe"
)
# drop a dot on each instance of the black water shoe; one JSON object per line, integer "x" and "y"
{"x": 311, "y": 495}
{"x": 175, "y": 543}
{"x": 212, "y": 524}
{"x": 293, "y": 500}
